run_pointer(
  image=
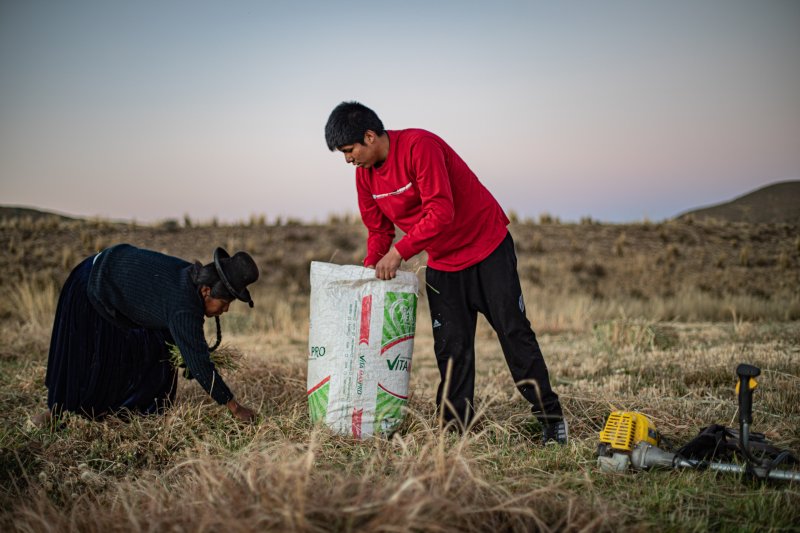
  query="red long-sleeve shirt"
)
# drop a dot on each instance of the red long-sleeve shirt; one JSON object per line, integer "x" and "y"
{"x": 429, "y": 192}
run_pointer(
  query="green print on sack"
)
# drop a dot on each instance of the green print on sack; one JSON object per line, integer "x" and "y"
{"x": 399, "y": 317}
{"x": 318, "y": 402}
{"x": 397, "y": 363}
{"x": 389, "y": 411}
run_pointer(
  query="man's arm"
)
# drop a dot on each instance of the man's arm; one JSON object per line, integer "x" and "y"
{"x": 433, "y": 183}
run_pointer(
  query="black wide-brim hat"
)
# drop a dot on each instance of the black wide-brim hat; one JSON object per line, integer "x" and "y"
{"x": 236, "y": 273}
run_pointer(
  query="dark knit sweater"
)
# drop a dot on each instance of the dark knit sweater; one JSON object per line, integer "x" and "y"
{"x": 133, "y": 287}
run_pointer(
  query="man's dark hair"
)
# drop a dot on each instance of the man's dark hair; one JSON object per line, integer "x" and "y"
{"x": 348, "y": 123}
{"x": 207, "y": 275}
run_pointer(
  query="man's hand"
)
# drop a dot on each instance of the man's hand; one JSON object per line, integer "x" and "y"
{"x": 388, "y": 265}
{"x": 241, "y": 412}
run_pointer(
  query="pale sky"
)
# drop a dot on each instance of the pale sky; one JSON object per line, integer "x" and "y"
{"x": 619, "y": 110}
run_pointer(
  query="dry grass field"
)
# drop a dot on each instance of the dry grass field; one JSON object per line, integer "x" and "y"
{"x": 652, "y": 317}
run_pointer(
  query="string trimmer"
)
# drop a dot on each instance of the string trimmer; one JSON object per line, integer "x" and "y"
{"x": 631, "y": 439}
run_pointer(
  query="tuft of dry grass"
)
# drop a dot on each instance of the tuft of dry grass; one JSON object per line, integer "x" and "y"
{"x": 420, "y": 482}
{"x": 34, "y": 304}
{"x": 636, "y": 334}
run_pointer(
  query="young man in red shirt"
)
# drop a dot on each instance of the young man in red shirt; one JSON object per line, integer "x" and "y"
{"x": 413, "y": 180}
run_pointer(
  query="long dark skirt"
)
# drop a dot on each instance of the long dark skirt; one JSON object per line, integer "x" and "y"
{"x": 96, "y": 367}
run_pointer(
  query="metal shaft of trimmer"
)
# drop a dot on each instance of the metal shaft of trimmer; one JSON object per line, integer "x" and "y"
{"x": 645, "y": 456}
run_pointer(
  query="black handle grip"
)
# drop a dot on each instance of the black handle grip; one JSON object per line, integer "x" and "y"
{"x": 747, "y": 370}
{"x": 746, "y": 373}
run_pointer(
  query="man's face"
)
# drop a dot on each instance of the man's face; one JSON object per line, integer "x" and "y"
{"x": 364, "y": 155}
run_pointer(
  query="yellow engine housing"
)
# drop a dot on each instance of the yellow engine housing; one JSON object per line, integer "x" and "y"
{"x": 624, "y": 430}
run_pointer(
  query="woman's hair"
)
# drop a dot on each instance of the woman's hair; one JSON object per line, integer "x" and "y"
{"x": 207, "y": 276}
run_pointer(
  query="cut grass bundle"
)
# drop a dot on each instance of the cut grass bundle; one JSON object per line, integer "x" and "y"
{"x": 225, "y": 357}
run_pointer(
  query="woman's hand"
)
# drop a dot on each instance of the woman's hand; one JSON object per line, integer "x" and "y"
{"x": 245, "y": 414}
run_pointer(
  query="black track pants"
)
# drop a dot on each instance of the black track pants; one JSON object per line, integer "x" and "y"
{"x": 491, "y": 287}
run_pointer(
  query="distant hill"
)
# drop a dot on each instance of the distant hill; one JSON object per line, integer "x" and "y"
{"x": 7, "y": 211}
{"x": 776, "y": 203}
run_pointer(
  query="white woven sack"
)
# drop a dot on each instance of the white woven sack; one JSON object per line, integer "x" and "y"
{"x": 360, "y": 344}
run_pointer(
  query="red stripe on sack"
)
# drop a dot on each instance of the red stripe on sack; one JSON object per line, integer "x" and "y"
{"x": 318, "y": 385}
{"x": 392, "y": 393}
{"x": 396, "y": 341}
{"x": 366, "y": 312}
{"x": 356, "y": 422}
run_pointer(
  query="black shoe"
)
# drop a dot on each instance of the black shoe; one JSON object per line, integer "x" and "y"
{"x": 555, "y": 432}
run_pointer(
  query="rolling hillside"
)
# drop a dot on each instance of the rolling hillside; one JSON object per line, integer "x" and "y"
{"x": 776, "y": 203}
{"x": 9, "y": 212}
